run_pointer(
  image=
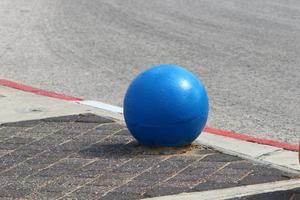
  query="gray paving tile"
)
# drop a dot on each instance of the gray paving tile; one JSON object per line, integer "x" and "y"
{"x": 67, "y": 118}
{"x": 62, "y": 185}
{"x": 19, "y": 171}
{"x": 137, "y": 165}
{"x": 258, "y": 178}
{"x": 112, "y": 179}
{"x": 25, "y": 124}
{"x": 45, "y": 128}
{"x": 90, "y": 192}
{"x": 7, "y": 132}
{"x": 220, "y": 157}
{"x": 6, "y": 180}
{"x": 15, "y": 190}
{"x": 63, "y": 167}
{"x": 213, "y": 185}
{"x": 88, "y": 156}
{"x": 9, "y": 160}
{"x": 4, "y": 152}
{"x": 165, "y": 190}
{"x": 92, "y": 118}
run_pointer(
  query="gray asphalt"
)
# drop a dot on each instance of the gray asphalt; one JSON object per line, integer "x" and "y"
{"x": 247, "y": 53}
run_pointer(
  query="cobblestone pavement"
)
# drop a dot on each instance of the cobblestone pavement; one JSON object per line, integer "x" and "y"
{"x": 90, "y": 157}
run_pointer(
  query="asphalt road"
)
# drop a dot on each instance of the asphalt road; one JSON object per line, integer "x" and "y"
{"x": 247, "y": 53}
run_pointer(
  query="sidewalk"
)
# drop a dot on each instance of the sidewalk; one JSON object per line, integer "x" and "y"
{"x": 68, "y": 153}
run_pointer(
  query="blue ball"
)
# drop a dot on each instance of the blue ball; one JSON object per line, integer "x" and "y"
{"x": 166, "y": 105}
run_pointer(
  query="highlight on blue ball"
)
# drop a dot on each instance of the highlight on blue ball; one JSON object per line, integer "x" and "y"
{"x": 166, "y": 105}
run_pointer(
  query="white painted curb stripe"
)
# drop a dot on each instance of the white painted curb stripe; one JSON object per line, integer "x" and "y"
{"x": 104, "y": 106}
{"x": 234, "y": 192}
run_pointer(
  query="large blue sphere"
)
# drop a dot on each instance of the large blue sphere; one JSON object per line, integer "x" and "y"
{"x": 166, "y": 105}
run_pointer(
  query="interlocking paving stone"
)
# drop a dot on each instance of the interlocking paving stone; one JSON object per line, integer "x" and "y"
{"x": 26, "y": 124}
{"x": 92, "y": 157}
{"x": 220, "y": 157}
{"x": 67, "y": 118}
{"x": 59, "y": 187}
{"x": 14, "y": 143}
{"x": 10, "y": 160}
{"x": 137, "y": 165}
{"x": 97, "y": 167}
{"x": 45, "y": 128}
{"x": 161, "y": 190}
{"x": 19, "y": 171}
{"x": 7, "y": 132}
{"x": 90, "y": 192}
{"x": 63, "y": 167}
{"x": 15, "y": 190}
{"x": 4, "y": 152}
{"x": 91, "y": 118}
{"x": 5, "y": 180}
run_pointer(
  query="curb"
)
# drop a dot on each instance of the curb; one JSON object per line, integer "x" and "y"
{"x": 236, "y": 192}
{"x": 119, "y": 110}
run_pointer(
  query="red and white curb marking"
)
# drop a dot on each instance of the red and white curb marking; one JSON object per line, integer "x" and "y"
{"x": 38, "y": 91}
{"x": 278, "y": 154}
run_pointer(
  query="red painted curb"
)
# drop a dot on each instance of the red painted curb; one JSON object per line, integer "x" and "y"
{"x": 38, "y": 91}
{"x": 231, "y": 134}
{"x": 239, "y": 136}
